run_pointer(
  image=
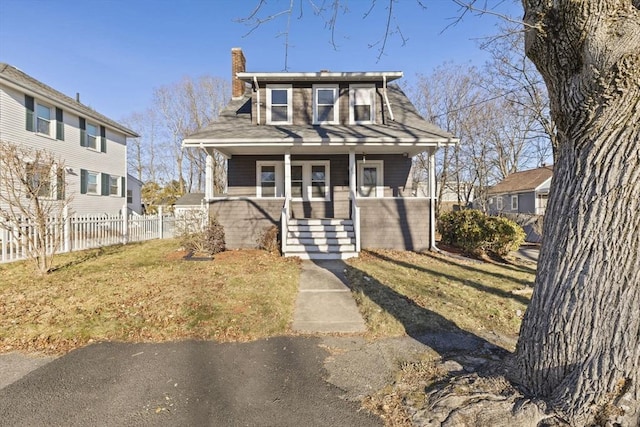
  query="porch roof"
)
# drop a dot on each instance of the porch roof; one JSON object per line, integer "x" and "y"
{"x": 233, "y": 133}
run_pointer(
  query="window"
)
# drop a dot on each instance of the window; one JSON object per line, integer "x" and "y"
{"x": 113, "y": 185}
{"x": 370, "y": 178}
{"x": 325, "y": 104}
{"x": 43, "y": 119}
{"x": 514, "y": 203}
{"x": 361, "y": 104}
{"x": 129, "y": 196}
{"x": 279, "y": 104}
{"x": 499, "y": 203}
{"x": 310, "y": 180}
{"x": 269, "y": 179}
{"x": 297, "y": 183}
{"x": 38, "y": 180}
{"x": 92, "y": 136}
{"x": 92, "y": 183}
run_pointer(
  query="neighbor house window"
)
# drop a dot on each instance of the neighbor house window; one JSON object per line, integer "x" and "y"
{"x": 89, "y": 182}
{"x": 43, "y": 119}
{"x": 38, "y": 180}
{"x": 129, "y": 196}
{"x": 514, "y": 203}
{"x": 361, "y": 104}
{"x": 325, "y": 104}
{"x": 92, "y": 136}
{"x": 499, "y": 203}
{"x": 279, "y": 109}
{"x": 113, "y": 186}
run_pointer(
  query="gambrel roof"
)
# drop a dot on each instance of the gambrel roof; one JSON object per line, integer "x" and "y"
{"x": 233, "y": 129}
{"x": 519, "y": 182}
{"x": 18, "y": 79}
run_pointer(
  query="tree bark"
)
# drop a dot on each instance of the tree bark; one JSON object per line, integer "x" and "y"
{"x": 579, "y": 345}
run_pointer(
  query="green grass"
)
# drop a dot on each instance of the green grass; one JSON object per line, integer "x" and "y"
{"x": 405, "y": 292}
{"x": 145, "y": 292}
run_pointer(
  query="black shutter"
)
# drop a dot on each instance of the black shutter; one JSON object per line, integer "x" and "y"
{"x": 29, "y": 103}
{"x": 59, "y": 124}
{"x": 83, "y": 181}
{"x": 83, "y": 132}
{"x": 104, "y": 183}
{"x": 103, "y": 139}
{"x": 123, "y": 187}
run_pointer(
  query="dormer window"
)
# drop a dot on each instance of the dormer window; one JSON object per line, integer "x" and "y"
{"x": 279, "y": 109}
{"x": 361, "y": 104}
{"x": 325, "y": 104}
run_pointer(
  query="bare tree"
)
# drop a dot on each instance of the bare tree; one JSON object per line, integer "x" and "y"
{"x": 32, "y": 201}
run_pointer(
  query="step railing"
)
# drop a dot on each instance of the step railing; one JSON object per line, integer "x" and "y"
{"x": 284, "y": 224}
{"x": 355, "y": 217}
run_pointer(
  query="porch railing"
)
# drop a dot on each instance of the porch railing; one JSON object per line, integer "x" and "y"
{"x": 355, "y": 217}
{"x": 284, "y": 223}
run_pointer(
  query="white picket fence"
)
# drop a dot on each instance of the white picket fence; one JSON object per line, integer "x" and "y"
{"x": 75, "y": 233}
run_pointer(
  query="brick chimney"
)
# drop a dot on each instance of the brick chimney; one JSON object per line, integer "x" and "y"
{"x": 238, "y": 65}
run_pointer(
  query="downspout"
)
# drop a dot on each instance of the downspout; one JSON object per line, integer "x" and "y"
{"x": 255, "y": 82}
{"x": 386, "y": 98}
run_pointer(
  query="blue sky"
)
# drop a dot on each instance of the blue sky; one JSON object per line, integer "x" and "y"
{"x": 115, "y": 52}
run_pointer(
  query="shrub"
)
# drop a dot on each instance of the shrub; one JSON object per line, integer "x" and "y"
{"x": 268, "y": 240}
{"x": 475, "y": 232}
{"x": 210, "y": 240}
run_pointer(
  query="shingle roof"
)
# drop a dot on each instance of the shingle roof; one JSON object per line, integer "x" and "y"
{"x": 522, "y": 181}
{"x": 234, "y": 125}
{"x": 190, "y": 199}
{"x": 13, "y": 75}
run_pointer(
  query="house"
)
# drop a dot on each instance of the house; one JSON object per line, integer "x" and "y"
{"x": 325, "y": 156}
{"x": 188, "y": 203}
{"x": 134, "y": 194}
{"x": 92, "y": 147}
{"x": 522, "y": 192}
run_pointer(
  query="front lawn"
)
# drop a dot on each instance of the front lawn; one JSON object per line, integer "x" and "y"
{"x": 145, "y": 292}
{"x": 407, "y": 292}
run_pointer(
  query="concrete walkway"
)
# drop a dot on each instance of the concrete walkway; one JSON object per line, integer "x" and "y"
{"x": 324, "y": 302}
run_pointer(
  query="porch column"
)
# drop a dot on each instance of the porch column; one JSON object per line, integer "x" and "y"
{"x": 432, "y": 196}
{"x": 287, "y": 174}
{"x": 352, "y": 173}
{"x": 209, "y": 178}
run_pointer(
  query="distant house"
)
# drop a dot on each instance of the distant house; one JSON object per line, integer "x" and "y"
{"x": 92, "y": 147}
{"x": 134, "y": 194}
{"x": 522, "y": 192}
{"x": 326, "y": 157}
{"x": 187, "y": 203}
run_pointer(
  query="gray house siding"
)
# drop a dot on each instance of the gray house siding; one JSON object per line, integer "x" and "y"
{"x": 244, "y": 220}
{"x": 398, "y": 223}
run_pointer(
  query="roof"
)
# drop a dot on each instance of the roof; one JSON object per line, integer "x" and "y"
{"x": 233, "y": 130}
{"x": 14, "y": 76}
{"x": 523, "y": 181}
{"x": 190, "y": 199}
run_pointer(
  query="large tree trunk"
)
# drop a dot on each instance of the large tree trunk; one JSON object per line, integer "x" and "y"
{"x": 579, "y": 346}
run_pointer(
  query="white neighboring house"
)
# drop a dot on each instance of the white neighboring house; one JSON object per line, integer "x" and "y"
{"x": 92, "y": 146}
{"x": 134, "y": 194}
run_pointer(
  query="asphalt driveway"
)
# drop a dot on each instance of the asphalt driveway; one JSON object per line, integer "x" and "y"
{"x": 275, "y": 382}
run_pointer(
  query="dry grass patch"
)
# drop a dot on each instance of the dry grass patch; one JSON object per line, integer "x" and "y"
{"x": 406, "y": 292}
{"x": 145, "y": 292}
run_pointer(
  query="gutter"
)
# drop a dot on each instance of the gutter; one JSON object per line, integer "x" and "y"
{"x": 257, "y": 88}
{"x": 386, "y": 98}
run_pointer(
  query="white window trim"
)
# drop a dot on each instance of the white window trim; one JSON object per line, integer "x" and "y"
{"x": 380, "y": 176}
{"x": 98, "y": 141}
{"x": 499, "y": 203}
{"x": 514, "y": 202}
{"x": 118, "y": 189}
{"x": 98, "y": 191}
{"x": 352, "y": 104}
{"x": 279, "y": 169}
{"x": 336, "y": 104}
{"x": 307, "y": 189}
{"x": 289, "y": 104}
{"x": 52, "y": 119}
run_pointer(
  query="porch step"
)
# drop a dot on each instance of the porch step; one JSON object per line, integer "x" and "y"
{"x": 321, "y": 239}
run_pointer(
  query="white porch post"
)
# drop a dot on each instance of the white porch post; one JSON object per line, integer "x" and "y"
{"x": 432, "y": 203}
{"x": 209, "y": 177}
{"x": 287, "y": 174}
{"x": 352, "y": 172}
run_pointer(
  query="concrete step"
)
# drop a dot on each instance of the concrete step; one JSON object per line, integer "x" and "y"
{"x": 318, "y": 221}
{"x": 337, "y": 227}
{"x": 322, "y": 255}
{"x": 320, "y": 234}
